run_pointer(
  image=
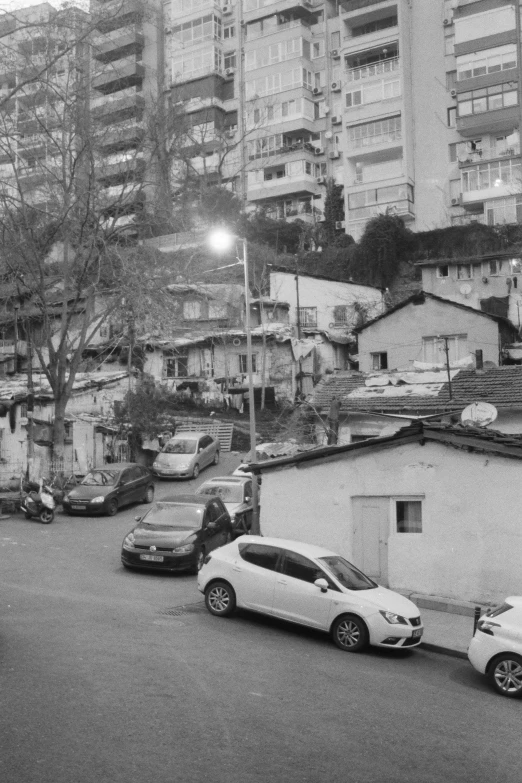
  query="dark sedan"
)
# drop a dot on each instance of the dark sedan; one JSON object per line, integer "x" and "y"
{"x": 177, "y": 533}
{"x": 105, "y": 490}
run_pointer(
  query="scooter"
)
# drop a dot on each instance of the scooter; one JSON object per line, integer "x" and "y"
{"x": 38, "y": 502}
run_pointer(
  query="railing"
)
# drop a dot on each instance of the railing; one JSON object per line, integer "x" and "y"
{"x": 487, "y": 153}
{"x": 374, "y": 69}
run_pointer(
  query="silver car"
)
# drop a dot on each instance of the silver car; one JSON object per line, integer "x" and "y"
{"x": 185, "y": 455}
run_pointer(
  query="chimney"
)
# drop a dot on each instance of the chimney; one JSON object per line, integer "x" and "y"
{"x": 479, "y": 362}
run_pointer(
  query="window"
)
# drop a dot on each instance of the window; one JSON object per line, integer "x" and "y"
{"x": 379, "y": 360}
{"x": 498, "y": 96}
{"x": 191, "y": 310}
{"x": 452, "y": 153}
{"x": 373, "y": 27}
{"x": 176, "y": 366}
{"x": 465, "y": 271}
{"x": 229, "y": 60}
{"x": 260, "y": 555}
{"x": 217, "y": 310}
{"x": 443, "y": 271}
{"x": 409, "y": 516}
{"x": 317, "y": 49}
{"x": 452, "y": 117}
{"x": 300, "y": 567}
{"x": 501, "y": 58}
{"x": 434, "y": 348}
{"x": 243, "y": 363}
{"x": 491, "y": 175}
{"x": 229, "y": 31}
{"x": 335, "y": 39}
{"x": 308, "y": 316}
{"x": 377, "y": 132}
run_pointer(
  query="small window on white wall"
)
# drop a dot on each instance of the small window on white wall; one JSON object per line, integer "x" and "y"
{"x": 408, "y": 515}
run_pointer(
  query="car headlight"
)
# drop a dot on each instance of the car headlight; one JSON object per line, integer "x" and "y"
{"x": 99, "y": 499}
{"x": 156, "y": 465}
{"x": 183, "y": 549}
{"x": 394, "y": 619}
{"x": 183, "y": 467}
{"x": 65, "y": 499}
{"x": 129, "y": 540}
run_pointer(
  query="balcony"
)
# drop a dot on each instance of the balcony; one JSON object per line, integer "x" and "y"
{"x": 124, "y": 73}
{"x": 373, "y": 70}
{"x": 118, "y": 44}
{"x": 491, "y": 180}
{"x": 122, "y": 137}
{"x": 257, "y": 9}
{"x": 296, "y": 183}
{"x": 121, "y": 103}
{"x": 117, "y": 14}
{"x": 285, "y": 149}
{"x": 486, "y": 152}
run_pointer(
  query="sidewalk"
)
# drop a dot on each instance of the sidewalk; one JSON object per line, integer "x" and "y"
{"x": 448, "y": 624}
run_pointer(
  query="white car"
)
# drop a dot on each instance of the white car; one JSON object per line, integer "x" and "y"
{"x": 496, "y": 647}
{"x": 236, "y": 494}
{"x": 311, "y": 586}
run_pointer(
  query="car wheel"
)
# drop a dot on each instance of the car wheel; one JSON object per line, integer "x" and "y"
{"x": 195, "y": 472}
{"x": 200, "y": 559}
{"x": 112, "y": 507}
{"x": 216, "y": 458}
{"x": 149, "y": 495}
{"x": 350, "y": 633}
{"x": 220, "y": 599}
{"x": 505, "y": 674}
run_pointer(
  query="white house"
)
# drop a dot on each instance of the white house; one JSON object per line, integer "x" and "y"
{"x": 432, "y": 509}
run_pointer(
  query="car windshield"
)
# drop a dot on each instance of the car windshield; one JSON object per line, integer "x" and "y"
{"x": 100, "y": 478}
{"x": 347, "y": 574}
{"x": 180, "y": 447}
{"x": 175, "y": 515}
{"x": 229, "y": 493}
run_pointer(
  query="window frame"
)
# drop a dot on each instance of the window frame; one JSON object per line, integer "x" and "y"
{"x": 377, "y": 359}
{"x": 407, "y": 499}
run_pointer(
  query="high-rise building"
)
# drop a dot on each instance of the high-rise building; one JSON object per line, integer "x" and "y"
{"x": 411, "y": 106}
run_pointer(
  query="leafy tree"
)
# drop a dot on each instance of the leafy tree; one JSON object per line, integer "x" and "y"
{"x": 384, "y": 242}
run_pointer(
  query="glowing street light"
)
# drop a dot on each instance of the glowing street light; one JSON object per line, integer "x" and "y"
{"x": 220, "y": 241}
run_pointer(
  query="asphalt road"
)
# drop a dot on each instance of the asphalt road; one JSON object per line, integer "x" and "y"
{"x": 108, "y": 675}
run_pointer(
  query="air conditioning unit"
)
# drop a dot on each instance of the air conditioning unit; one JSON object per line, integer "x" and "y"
{"x": 334, "y": 154}
{"x": 227, "y": 9}
{"x": 230, "y": 71}
{"x": 321, "y": 180}
{"x": 339, "y": 224}
{"x": 318, "y": 150}
{"x": 446, "y": 22}
{"x": 337, "y": 120}
{"x": 328, "y": 135}
{"x": 168, "y": 30}
{"x": 455, "y": 201}
{"x": 484, "y": 279}
{"x": 326, "y": 109}
{"x": 335, "y": 53}
{"x": 453, "y": 93}
{"x": 336, "y": 86}
{"x": 317, "y": 91}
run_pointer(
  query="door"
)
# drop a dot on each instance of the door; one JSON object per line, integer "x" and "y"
{"x": 253, "y": 576}
{"x": 126, "y": 489}
{"x": 217, "y": 513}
{"x": 296, "y": 597}
{"x": 371, "y": 526}
{"x": 204, "y": 451}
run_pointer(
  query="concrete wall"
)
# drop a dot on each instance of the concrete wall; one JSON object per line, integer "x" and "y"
{"x": 400, "y": 334}
{"x": 470, "y": 547}
{"x": 324, "y": 295}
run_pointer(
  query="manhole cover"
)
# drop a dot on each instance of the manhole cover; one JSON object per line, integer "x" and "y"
{"x": 177, "y": 611}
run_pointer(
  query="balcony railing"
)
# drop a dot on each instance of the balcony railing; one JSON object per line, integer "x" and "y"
{"x": 373, "y": 69}
{"x": 487, "y": 153}
{"x": 381, "y": 138}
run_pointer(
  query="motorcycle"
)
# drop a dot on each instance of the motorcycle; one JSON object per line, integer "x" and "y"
{"x": 38, "y": 502}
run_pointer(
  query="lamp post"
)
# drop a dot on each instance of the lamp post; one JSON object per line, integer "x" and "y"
{"x": 220, "y": 241}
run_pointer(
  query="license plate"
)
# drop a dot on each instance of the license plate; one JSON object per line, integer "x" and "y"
{"x": 417, "y": 632}
{"x": 153, "y": 558}
{"x": 79, "y": 508}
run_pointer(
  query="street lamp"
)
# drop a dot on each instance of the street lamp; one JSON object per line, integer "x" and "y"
{"x": 221, "y": 240}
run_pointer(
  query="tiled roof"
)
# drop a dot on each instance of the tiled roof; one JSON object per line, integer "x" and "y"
{"x": 15, "y": 387}
{"x": 469, "y": 438}
{"x": 500, "y": 386}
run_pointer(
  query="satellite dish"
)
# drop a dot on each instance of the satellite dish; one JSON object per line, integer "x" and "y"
{"x": 478, "y": 414}
{"x": 465, "y": 289}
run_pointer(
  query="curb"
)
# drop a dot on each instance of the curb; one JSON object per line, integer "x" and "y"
{"x": 437, "y": 648}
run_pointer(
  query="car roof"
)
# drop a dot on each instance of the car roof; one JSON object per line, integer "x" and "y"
{"x": 188, "y": 435}
{"x": 187, "y": 500}
{"x": 226, "y": 480}
{"x": 310, "y": 550}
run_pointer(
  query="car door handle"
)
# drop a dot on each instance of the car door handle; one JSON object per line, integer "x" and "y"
{"x": 237, "y": 568}
{"x": 282, "y": 582}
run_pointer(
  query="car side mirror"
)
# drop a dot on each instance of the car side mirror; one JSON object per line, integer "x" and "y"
{"x": 322, "y": 584}
{"x": 137, "y": 519}
{"x": 248, "y": 499}
{"x": 211, "y": 526}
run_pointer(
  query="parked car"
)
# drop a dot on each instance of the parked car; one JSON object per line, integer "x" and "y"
{"x": 311, "y": 586}
{"x": 184, "y": 455}
{"x": 496, "y": 647}
{"x": 236, "y": 494}
{"x": 105, "y": 490}
{"x": 177, "y": 533}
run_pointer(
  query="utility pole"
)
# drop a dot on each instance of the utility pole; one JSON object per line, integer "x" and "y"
{"x": 30, "y": 401}
{"x": 300, "y": 372}
{"x": 446, "y": 351}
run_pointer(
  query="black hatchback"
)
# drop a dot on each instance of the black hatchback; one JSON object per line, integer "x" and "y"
{"x": 105, "y": 490}
{"x": 177, "y": 533}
